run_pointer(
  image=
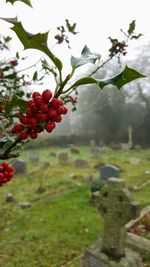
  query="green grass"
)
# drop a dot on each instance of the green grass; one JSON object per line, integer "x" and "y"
{"x": 61, "y": 222}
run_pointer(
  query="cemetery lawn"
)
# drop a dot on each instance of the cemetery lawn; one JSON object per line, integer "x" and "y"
{"x": 61, "y": 221}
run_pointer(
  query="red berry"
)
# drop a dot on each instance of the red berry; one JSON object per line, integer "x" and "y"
{"x": 35, "y": 94}
{"x": 24, "y": 119}
{"x": 29, "y": 113}
{"x": 44, "y": 108}
{"x": 14, "y": 62}
{"x": 1, "y": 176}
{"x": 50, "y": 126}
{"x": 58, "y": 118}
{"x": 55, "y": 103}
{"x": 23, "y": 135}
{"x": 60, "y": 110}
{"x": 39, "y": 101}
{"x": 33, "y": 134}
{"x": 18, "y": 128}
{"x": 41, "y": 117}
{"x": 5, "y": 165}
{"x": 52, "y": 113}
{"x": 65, "y": 110}
{"x": 31, "y": 103}
{"x": 47, "y": 95}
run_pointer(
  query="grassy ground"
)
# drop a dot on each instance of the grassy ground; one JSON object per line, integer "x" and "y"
{"x": 61, "y": 222}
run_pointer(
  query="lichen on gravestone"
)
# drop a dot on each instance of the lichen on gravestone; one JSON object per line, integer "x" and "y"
{"x": 116, "y": 208}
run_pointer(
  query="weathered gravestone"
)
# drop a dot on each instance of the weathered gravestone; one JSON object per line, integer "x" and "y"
{"x": 95, "y": 153}
{"x": 74, "y": 150}
{"x": 81, "y": 163}
{"x": 63, "y": 158}
{"x": 20, "y": 166}
{"x": 116, "y": 209}
{"x": 108, "y": 171}
{"x": 34, "y": 157}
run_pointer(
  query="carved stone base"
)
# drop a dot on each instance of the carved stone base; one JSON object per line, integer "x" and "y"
{"x": 93, "y": 257}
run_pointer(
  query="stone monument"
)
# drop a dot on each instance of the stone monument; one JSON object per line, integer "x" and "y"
{"x": 116, "y": 209}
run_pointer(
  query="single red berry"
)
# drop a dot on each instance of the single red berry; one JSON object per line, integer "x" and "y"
{"x": 41, "y": 117}
{"x": 50, "y": 126}
{"x": 35, "y": 94}
{"x": 52, "y": 113}
{"x": 14, "y": 62}
{"x": 29, "y": 113}
{"x": 19, "y": 127}
{"x": 47, "y": 95}
{"x": 58, "y": 118}
{"x": 65, "y": 110}
{"x": 44, "y": 108}
{"x": 24, "y": 119}
{"x": 5, "y": 165}
{"x": 60, "y": 109}
{"x": 55, "y": 103}
{"x": 33, "y": 134}
{"x": 1, "y": 169}
{"x": 39, "y": 101}
{"x": 23, "y": 135}
{"x": 31, "y": 103}
{"x": 1, "y": 175}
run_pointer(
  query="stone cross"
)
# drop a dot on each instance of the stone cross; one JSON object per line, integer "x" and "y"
{"x": 116, "y": 209}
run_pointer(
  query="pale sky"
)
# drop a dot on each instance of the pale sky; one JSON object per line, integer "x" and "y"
{"x": 96, "y": 21}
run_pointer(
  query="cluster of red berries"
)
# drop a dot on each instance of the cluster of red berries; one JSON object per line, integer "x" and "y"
{"x": 117, "y": 47}
{"x": 42, "y": 114}
{"x": 6, "y": 173}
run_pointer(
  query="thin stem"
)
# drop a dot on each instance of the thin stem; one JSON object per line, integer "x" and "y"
{"x": 32, "y": 66}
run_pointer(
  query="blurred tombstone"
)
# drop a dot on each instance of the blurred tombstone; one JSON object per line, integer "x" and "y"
{"x": 52, "y": 154}
{"x": 81, "y": 163}
{"x": 20, "y": 166}
{"x": 134, "y": 161}
{"x": 34, "y": 157}
{"x": 108, "y": 171}
{"x": 95, "y": 153}
{"x": 9, "y": 197}
{"x": 74, "y": 150}
{"x": 25, "y": 204}
{"x": 63, "y": 158}
{"x": 92, "y": 143}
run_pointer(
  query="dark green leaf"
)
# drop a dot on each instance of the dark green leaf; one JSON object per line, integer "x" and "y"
{"x": 27, "y": 2}
{"x": 34, "y": 41}
{"x": 131, "y": 27}
{"x": 17, "y": 55}
{"x": 136, "y": 36}
{"x": 16, "y": 102}
{"x": 86, "y": 57}
{"x": 35, "y": 75}
{"x": 126, "y": 76}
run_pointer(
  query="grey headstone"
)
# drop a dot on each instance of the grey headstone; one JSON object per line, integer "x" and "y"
{"x": 63, "y": 158}
{"x": 34, "y": 157}
{"x": 95, "y": 153}
{"x": 107, "y": 171}
{"x": 81, "y": 163}
{"x": 10, "y": 197}
{"x": 25, "y": 204}
{"x": 74, "y": 150}
{"x": 20, "y": 166}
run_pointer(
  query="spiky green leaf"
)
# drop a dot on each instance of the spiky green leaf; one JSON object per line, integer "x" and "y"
{"x": 33, "y": 41}
{"x": 131, "y": 27}
{"x": 126, "y": 76}
{"x": 16, "y": 101}
{"x": 27, "y": 2}
{"x": 86, "y": 57}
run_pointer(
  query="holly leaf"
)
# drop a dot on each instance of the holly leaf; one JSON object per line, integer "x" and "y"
{"x": 126, "y": 76}
{"x": 136, "y": 36}
{"x": 16, "y": 101}
{"x": 33, "y": 41}
{"x": 27, "y": 2}
{"x": 86, "y": 57}
{"x": 131, "y": 27}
